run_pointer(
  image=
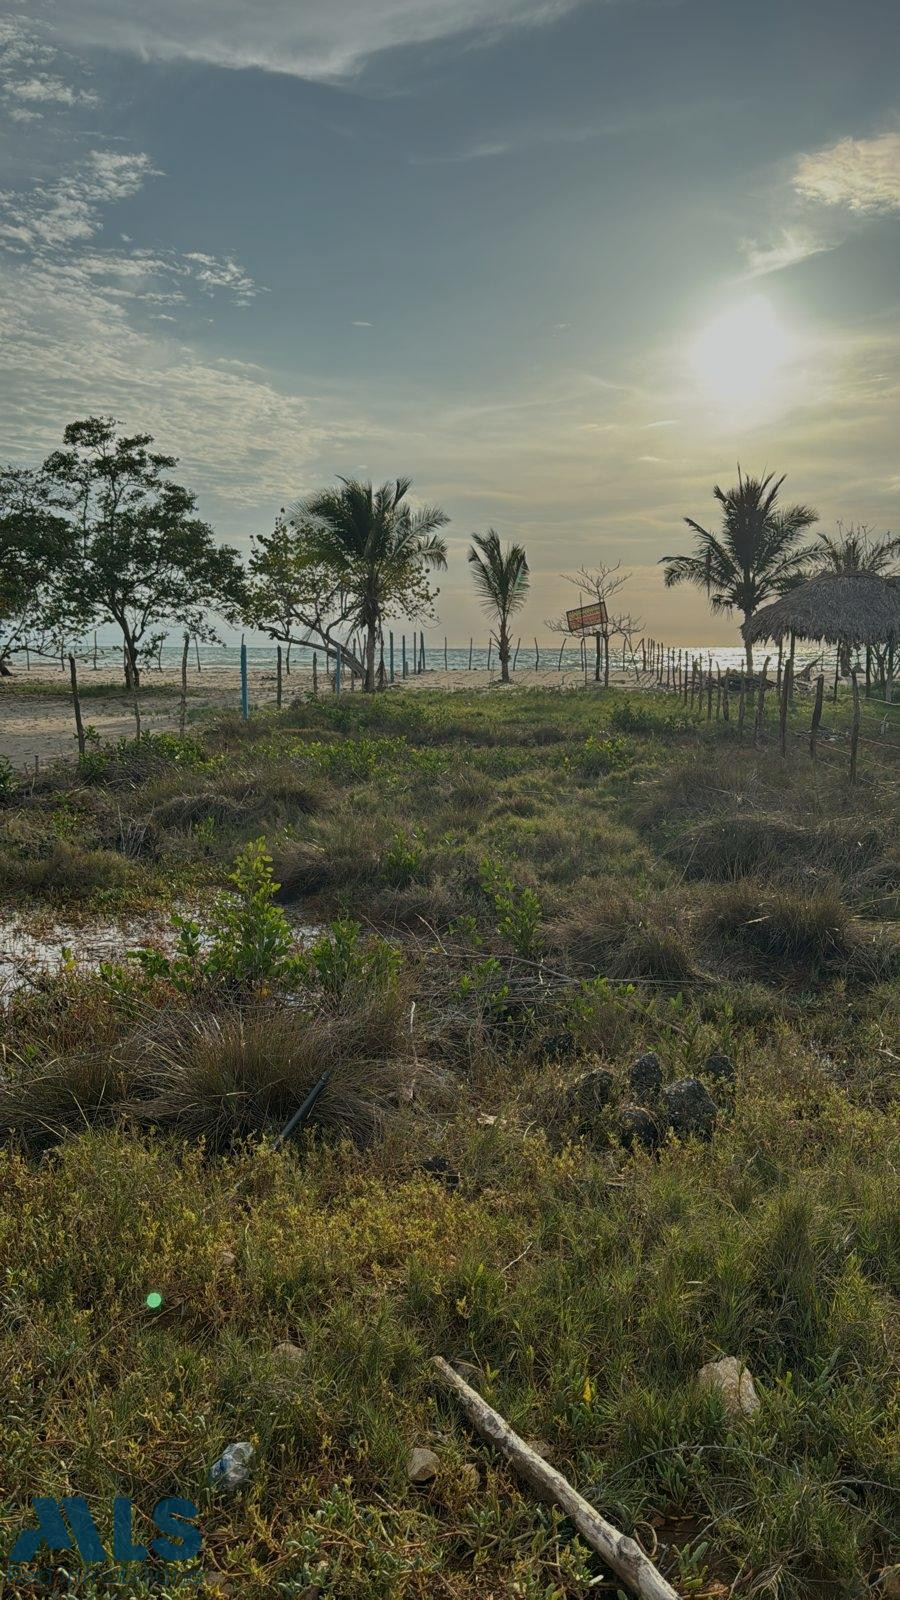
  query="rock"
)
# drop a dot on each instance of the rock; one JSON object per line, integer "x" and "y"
{"x": 289, "y": 1355}
{"x": 227, "y": 1259}
{"x": 638, "y": 1126}
{"x": 734, "y": 1382}
{"x": 559, "y": 1046}
{"x": 440, "y": 1168}
{"x": 645, "y": 1077}
{"x": 422, "y": 1465}
{"x": 691, "y": 1109}
{"x": 719, "y": 1066}
{"x": 539, "y": 1446}
{"x": 589, "y": 1095}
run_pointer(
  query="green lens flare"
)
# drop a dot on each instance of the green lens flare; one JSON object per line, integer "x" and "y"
{"x": 154, "y": 1301}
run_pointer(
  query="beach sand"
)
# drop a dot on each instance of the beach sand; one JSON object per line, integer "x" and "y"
{"x": 37, "y": 719}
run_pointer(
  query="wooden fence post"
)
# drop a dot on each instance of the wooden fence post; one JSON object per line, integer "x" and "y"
{"x": 391, "y": 652}
{"x": 79, "y": 725}
{"x": 817, "y": 714}
{"x": 315, "y": 673}
{"x": 182, "y": 709}
{"x": 278, "y": 679}
{"x": 446, "y": 664}
{"x": 197, "y": 652}
{"x": 854, "y": 726}
{"x": 742, "y": 706}
{"x": 709, "y": 692}
{"x": 245, "y": 692}
{"x": 516, "y": 654}
{"x": 490, "y": 648}
{"x": 404, "y": 669}
{"x": 537, "y": 656}
{"x": 561, "y": 649}
{"x": 470, "y": 652}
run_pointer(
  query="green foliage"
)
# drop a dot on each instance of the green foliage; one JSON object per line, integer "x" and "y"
{"x": 343, "y": 959}
{"x": 404, "y": 860}
{"x": 518, "y": 909}
{"x": 8, "y": 779}
{"x": 598, "y": 755}
{"x": 636, "y": 714}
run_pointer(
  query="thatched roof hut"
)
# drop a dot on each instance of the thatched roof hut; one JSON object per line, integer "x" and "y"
{"x": 853, "y": 608}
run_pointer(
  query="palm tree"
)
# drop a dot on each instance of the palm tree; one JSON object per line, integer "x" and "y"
{"x": 855, "y": 551}
{"x": 501, "y": 578}
{"x": 753, "y": 556}
{"x": 379, "y": 548}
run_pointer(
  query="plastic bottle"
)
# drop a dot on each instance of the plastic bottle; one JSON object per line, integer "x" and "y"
{"x": 233, "y": 1466}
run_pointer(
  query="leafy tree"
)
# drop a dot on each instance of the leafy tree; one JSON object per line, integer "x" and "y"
{"x": 755, "y": 554}
{"x": 143, "y": 557}
{"x": 501, "y": 578}
{"x": 37, "y": 556}
{"x": 379, "y": 550}
{"x": 292, "y": 595}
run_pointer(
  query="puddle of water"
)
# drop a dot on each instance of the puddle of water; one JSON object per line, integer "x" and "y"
{"x": 27, "y": 956}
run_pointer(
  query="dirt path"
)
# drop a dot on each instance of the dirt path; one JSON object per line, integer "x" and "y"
{"x": 36, "y": 717}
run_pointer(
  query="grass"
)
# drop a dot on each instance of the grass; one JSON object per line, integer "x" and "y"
{"x": 517, "y": 889}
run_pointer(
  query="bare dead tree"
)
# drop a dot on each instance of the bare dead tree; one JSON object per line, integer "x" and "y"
{"x": 597, "y": 584}
{"x": 624, "y": 626}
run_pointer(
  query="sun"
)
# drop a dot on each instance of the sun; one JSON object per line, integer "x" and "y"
{"x": 740, "y": 356}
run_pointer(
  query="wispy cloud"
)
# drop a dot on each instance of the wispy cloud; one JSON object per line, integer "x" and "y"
{"x": 791, "y": 247}
{"x": 71, "y": 209}
{"x": 861, "y": 174}
{"x": 30, "y": 77}
{"x": 301, "y": 37}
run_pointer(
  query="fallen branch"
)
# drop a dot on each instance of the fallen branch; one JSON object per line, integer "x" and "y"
{"x": 622, "y": 1554}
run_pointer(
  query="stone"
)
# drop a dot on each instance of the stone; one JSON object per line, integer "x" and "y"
{"x": 645, "y": 1077}
{"x": 440, "y": 1168}
{"x": 589, "y": 1095}
{"x": 559, "y": 1046}
{"x": 422, "y": 1465}
{"x": 719, "y": 1066}
{"x": 540, "y": 1447}
{"x": 227, "y": 1259}
{"x": 691, "y": 1109}
{"x": 734, "y": 1383}
{"x": 638, "y": 1126}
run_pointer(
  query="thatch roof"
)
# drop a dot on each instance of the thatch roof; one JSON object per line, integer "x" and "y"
{"x": 855, "y": 608}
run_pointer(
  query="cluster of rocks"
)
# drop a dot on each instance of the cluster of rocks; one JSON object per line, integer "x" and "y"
{"x": 685, "y": 1107}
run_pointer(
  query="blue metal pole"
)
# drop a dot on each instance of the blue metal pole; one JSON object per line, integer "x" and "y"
{"x": 245, "y": 697}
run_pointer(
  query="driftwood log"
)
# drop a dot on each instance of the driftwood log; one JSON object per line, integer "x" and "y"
{"x": 622, "y": 1554}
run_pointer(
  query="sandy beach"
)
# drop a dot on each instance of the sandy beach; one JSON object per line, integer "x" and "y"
{"x": 37, "y": 720}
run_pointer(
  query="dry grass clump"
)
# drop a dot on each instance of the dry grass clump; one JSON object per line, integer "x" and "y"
{"x": 724, "y": 849}
{"x": 222, "y": 1076}
{"x": 341, "y": 853}
{"x": 618, "y": 937}
{"x": 781, "y": 928}
{"x": 40, "y": 1105}
{"x": 67, "y": 870}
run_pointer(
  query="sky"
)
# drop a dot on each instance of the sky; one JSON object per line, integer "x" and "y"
{"x": 564, "y": 262}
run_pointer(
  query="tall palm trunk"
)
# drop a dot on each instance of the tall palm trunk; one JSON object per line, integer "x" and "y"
{"x": 748, "y": 648}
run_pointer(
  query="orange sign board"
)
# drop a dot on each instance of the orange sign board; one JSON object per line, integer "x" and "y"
{"x": 584, "y": 618}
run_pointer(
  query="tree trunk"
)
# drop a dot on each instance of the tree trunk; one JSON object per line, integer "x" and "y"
{"x": 132, "y": 670}
{"x": 748, "y": 648}
{"x": 371, "y": 633}
{"x": 504, "y": 652}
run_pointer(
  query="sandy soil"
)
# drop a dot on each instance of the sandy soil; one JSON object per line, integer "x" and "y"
{"x": 37, "y": 721}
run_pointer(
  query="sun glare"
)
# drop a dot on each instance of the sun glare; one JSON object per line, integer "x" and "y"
{"x": 741, "y": 354}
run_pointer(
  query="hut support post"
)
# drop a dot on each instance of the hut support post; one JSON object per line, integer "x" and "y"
{"x": 761, "y": 702}
{"x": 785, "y": 702}
{"x": 817, "y": 714}
{"x": 854, "y": 726}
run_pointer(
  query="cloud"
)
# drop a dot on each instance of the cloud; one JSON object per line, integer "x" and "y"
{"x": 302, "y": 37}
{"x": 71, "y": 349}
{"x": 71, "y": 209}
{"x": 793, "y": 246}
{"x": 55, "y": 222}
{"x": 25, "y": 81}
{"x": 861, "y": 174}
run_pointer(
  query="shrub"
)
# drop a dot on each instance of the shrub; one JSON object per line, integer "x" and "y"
{"x": 342, "y": 959}
{"x": 404, "y": 860}
{"x": 518, "y": 909}
{"x": 637, "y": 714}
